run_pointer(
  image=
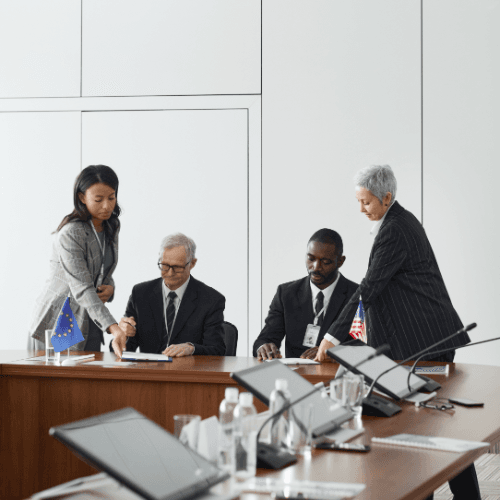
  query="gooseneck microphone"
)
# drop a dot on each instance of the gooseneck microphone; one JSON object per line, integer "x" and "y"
{"x": 444, "y": 351}
{"x": 273, "y": 457}
{"x": 373, "y": 405}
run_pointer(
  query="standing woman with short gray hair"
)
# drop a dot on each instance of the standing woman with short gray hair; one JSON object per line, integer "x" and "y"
{"x": 84, "y": 257}
{"x": 404, "y": 296}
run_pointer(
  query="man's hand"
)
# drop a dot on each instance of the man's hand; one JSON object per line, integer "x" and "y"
{"x": 119, "y": 339}
{"x": 179, "y": 350}
{"x": 128, "y": 325}
{"x": 268, "y": 351}
{"x": 310, "y": 353}
{"x": 323, "y": 347}
{"x": 104, "y": 292}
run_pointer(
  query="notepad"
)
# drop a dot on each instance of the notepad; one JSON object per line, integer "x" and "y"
{"x": 431, "y": 442}
{"x": 144, "y": 356}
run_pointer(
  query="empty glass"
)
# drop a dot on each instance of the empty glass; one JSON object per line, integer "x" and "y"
{"x": 349, "y": 391}
{"x": 354, "y": 392}
{"x": 187, "y": 429}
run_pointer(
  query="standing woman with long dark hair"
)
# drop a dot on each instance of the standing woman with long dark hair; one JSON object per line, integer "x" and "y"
{"x": 84, "y": 257}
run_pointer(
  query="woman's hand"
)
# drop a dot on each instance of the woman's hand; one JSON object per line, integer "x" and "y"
{"x": 323, "y": 347}
{"x": 119, "y": 341}
{"x": 104, "y": 292}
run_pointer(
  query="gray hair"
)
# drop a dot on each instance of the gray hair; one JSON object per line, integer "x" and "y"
{"x": 379, "y": 180}
{"x": 179, "y": 240}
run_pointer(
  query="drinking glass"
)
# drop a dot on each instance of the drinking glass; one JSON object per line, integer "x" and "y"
{"x": 187, "y": 429}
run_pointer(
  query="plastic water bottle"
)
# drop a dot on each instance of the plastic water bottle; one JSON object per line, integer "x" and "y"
{"x": 279, "y": 426}
{"x": 244, "y": 449}
{"x": 226, "y": 415}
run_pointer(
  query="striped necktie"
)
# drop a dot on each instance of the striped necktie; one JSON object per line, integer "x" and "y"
{"x": 171, "y": 313}
{"x": 319, "y": 305}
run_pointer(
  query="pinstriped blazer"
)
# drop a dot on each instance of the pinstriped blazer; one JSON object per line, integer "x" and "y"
{"x": 74, "y": 268}
{"x": 406, "y": 302}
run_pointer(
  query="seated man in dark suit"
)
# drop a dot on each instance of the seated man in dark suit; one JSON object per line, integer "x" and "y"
{"x": 176, "y": 314}
{"x": 309, "y": 305}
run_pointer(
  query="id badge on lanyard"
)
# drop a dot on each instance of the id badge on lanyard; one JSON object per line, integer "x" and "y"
{"x": 312, "y": 332}
{"x": 100, "y": 278}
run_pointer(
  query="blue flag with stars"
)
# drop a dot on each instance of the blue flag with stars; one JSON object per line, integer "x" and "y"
{"x": 67, "y": 332}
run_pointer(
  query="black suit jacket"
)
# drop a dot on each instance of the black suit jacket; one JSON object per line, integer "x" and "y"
{"x": 291, "y": 311}
{"x": 199, "y": 318}
{"x": 404, "y": 295}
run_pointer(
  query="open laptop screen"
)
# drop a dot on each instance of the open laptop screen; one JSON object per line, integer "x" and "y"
{"x": 140, "y": 454}
{"x": 260, "y": 381}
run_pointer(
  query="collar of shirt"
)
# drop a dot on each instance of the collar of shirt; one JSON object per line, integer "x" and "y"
{"x": 327, "y": 292}
{"x": 376, "y": 227}
{"x": 180, "y": 293}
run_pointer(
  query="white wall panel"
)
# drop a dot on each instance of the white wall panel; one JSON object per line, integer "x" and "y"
{"x": 40, "y": 159}
{"x": 167, "y": 47}
{"x": 179, "y": 170}
{"x": 40, "y": 48}
{"x": 461, "y": 159}
{"x": 341, "y": 90}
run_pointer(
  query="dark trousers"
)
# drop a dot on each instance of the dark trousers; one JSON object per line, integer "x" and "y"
{"x": 465, "y": 485}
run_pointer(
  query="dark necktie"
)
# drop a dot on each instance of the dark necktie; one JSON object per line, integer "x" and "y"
{"x": 170, "y": 313}
{"x": 319, "y": 305}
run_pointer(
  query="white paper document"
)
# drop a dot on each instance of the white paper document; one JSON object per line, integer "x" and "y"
{"x": 109, "y": 364}
{"x": 318, "y": 490}
{"x": 296, "y": 361}
{"x": 145, "y": 356}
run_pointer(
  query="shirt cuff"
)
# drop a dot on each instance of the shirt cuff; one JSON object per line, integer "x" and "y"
{"x": 194, "y": 347}
{"x": 331, "y": 339}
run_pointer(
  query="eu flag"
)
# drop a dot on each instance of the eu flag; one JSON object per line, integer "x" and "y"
{"x": 67, "y": 332}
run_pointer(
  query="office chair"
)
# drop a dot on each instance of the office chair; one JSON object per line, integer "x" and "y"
{"x": 230, "y": 338}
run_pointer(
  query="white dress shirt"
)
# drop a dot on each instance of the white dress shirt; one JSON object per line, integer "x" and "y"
{"x": 376, "y": 227}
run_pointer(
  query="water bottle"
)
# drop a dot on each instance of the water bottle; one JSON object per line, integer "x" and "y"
{"x": 279, "y": 425}
{"x": 226, "y": 414}
{"x": 244, "y": 448}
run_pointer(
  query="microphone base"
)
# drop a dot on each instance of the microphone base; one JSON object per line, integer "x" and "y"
{"x": 272, "y": 457}
{"x": 379, "y": 407}
{"x": 430, "y": 386}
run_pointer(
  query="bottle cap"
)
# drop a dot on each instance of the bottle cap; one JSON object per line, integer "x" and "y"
{"x": 246, "y": 398}
{"x": 231, "y": 394}
{"x": 281, "y": 384}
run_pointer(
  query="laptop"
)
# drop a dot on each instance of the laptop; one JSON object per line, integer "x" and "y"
{"x": 140, "y": 454}
{"x": 260, "y": 381}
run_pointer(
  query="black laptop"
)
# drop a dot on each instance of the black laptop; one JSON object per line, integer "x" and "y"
{"x": 140, "y": 454}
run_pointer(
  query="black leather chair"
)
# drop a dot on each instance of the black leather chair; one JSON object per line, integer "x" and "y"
{"x": 230, "y": 338}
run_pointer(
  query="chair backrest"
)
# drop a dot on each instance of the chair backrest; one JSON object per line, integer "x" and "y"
{"x": 230, "y": 338}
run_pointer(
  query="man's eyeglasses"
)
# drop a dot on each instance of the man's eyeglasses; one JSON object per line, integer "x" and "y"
{"x": 176, "y": 269}
{"x": 437, "y": 404}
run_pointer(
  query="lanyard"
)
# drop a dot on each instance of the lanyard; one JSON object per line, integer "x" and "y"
{"x": 103, "y": 250}
{"x": 316, "y": 318}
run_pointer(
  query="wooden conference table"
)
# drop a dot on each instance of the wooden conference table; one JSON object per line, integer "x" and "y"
{"x": 38, "y": 395}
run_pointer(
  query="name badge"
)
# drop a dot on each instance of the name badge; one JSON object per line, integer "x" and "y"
{"x": 311, "y": 336}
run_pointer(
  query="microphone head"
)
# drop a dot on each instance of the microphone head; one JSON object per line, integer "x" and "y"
{"x": 470, "y": 327}
{"x": 383, "y": 349}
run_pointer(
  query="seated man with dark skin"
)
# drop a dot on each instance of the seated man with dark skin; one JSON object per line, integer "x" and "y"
{"x": 175, "y": 314}
{"x": 303, "y": 310}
